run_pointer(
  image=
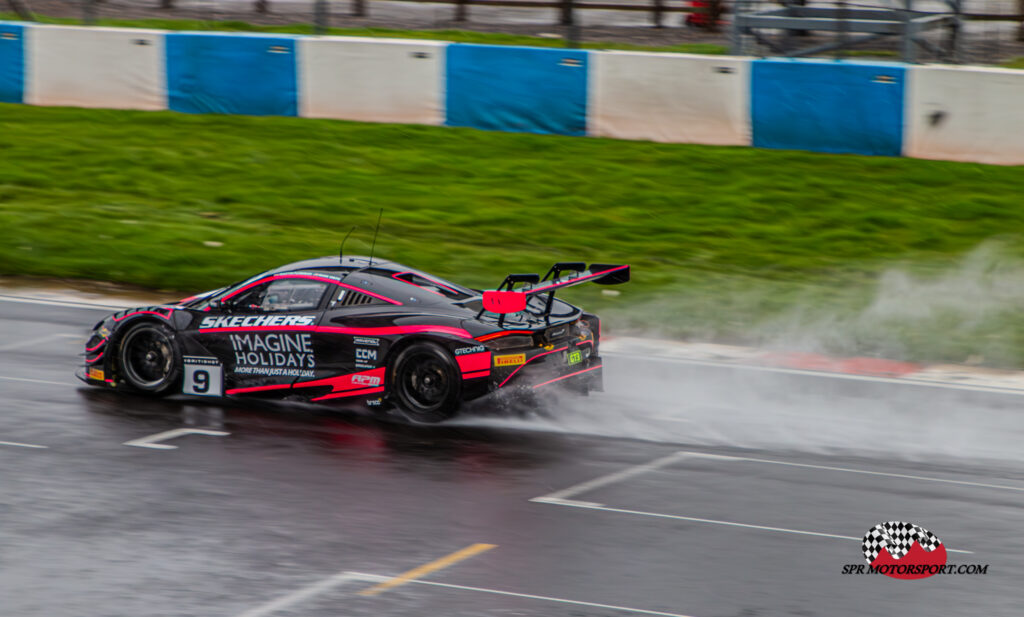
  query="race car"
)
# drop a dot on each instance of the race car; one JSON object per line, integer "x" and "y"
{"x": 358, "y": 330}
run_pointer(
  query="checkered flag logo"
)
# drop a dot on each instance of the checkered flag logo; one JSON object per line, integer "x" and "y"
{"x": 897, "y": 537}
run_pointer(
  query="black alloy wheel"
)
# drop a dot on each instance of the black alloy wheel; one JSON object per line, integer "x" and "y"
{"x": 149, "y": 359}
{"x": 426, "y": 383}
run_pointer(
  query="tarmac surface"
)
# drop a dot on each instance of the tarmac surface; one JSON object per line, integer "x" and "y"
{"x": 685, "y": 489}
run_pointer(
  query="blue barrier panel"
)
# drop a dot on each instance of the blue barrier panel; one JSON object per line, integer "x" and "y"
{"x": 828, "y": 106}
{"x": 12, "y": 63}
{"x": 509, "y": 88}
{"x": 231, "y": 74}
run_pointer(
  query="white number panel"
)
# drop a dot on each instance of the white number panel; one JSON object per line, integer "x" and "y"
{"x": 203, "y": 377}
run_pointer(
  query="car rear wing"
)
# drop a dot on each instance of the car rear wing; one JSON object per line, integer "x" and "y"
{"x": 508, "y": 299}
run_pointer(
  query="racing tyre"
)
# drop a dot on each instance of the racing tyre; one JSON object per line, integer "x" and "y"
{"x": 425, "y": 383}
{"x": 149, "y": 359}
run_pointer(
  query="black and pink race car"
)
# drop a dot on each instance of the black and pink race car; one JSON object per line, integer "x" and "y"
{"x": 358, "y": 330}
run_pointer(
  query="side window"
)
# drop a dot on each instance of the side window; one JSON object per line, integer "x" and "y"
{"x": 430, "y": 285}
{"x": 282, "y": 295}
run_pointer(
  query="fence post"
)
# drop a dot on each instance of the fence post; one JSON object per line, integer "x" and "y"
{"x": 1020, "y": 11}
{"x": 462, "y": 10}
{"x": 358, "y": 8}
{"x": 89, "y": 12}
{"x": 262, "y": 6}
{"x": 21, "y": 9}
{"x": 658, "y": 11}
{"x": 167, "y": 4}
{"x": 568, "y": 17}
{"x": 320, "y": 16}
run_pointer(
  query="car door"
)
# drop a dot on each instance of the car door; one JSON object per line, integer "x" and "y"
{"x": 350, "y": 358}
{"x": 262, "y": 333}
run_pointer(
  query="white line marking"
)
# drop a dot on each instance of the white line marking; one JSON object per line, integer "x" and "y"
{"x": 305, "y": 593}
{"x": 531, "y": 596}
{"x": 725, "y": 523}
{"x": 150, "y": 441}
{"x": 20, "y": 445}
{"x": 612, "y": 478}
{"x": 565, "y": 502}
{"x": 42, "y": 381}
{"x": 66, "y": 303}
{"x": 904, "y": 381}
{"x": 36, "y": 341}
{"x": 861, "y": 471}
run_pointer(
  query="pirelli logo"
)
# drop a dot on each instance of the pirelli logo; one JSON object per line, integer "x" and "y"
{"x": 510, "y": 360}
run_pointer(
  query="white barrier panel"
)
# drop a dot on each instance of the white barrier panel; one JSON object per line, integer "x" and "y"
{"x": 670, "y": 97}
{"x": 95, "y": 67}
{"x": 372, "y": 80}
{"x": 965, "y": 114}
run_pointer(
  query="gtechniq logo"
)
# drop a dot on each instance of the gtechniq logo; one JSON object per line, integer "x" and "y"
{"x": 907, "y": 551}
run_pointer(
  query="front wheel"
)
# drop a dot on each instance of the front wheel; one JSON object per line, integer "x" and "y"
{"x": 149, "y": 360}
{"x": 425, "y": 383}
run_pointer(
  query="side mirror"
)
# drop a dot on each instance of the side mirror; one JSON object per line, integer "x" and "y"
{"x": 215, "y": 305}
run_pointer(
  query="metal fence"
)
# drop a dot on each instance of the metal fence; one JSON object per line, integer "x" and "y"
{"x": 987, "y": 31}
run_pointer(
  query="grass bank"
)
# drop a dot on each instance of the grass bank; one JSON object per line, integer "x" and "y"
{"x": 845, "y": 254}
{"x": 455, "y": 36}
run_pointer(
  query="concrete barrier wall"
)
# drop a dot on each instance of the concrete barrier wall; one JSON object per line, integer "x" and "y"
{"x": 670, "y": 98}
{"x": 372, "y": 80}
{"x": 96, "y": 67}
{"x": 232, "y": 74}
{"x": 966, "y": 114}
{"x": 522, "y": 89}
{"x": 828, "y": 106}
{"x": 954, "y": 113}
{"x": 12, "y": 63}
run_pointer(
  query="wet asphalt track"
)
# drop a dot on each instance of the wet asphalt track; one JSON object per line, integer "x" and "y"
{"x": 294, "y": 512}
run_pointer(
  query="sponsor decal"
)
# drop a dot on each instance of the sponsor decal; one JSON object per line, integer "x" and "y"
{"x": 366, "y": 380}
{"x": 274, "y": 353}
{"x": 366, "y": 340}
{"x": 95, "y": 373}
{"x": 255, "y": 321}
{"x": 574, "y": 357}
{"x": 374, "y": 402}
{"x": 365, "y": 358}
{"x": 266, "y": 371}
{"x": 510, "y": 360}
{"x": 461, "y": 351}
{"x": 104, "y": 332}
{"x": 904, "y": 550}
{"x": 201, "y": 360}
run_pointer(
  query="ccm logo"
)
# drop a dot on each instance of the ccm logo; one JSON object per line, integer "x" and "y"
{"x": 366, "y": 354}
{"x": 366, "y": 380}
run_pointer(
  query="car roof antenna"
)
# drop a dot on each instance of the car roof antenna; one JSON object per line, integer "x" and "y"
{"x": 341, "y": 253}
{"x": 375, "y": 232}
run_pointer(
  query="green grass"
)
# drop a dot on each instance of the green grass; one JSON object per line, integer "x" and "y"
{"x": 728, "y": 244}
{"x": 1016, "y": 63}
{"x": 457, "y": 36}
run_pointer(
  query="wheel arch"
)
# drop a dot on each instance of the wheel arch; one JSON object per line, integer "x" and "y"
{"x": 112, "y": 359}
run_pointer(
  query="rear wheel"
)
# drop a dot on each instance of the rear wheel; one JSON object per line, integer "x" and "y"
{"x": 426, "y": 383}
{"x": 149, "y": 360}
